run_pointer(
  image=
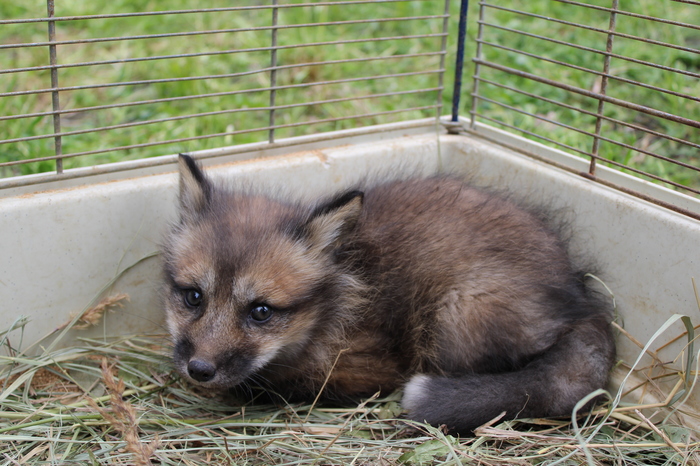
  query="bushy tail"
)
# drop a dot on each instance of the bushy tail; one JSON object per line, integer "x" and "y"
{"x": 550, "y": 385}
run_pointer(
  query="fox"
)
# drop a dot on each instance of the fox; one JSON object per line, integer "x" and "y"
{"x": 460, "y": 296}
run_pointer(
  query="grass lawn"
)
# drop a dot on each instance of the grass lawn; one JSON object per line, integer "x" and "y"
{"x": 234, "y": 110}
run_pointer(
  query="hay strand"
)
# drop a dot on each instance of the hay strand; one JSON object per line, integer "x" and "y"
{"x": 118, "y": 402}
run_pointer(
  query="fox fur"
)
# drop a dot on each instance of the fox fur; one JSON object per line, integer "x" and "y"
{"x": 466, "y": 301}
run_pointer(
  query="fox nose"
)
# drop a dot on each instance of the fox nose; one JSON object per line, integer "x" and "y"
{"x": 201, "y": 371}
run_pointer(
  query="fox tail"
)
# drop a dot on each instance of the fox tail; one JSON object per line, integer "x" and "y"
{"x": 550, "y": 385}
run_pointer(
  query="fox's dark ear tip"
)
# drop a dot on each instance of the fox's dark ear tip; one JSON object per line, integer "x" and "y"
{"x": 344, "y": 200}
{"x": 189, "y": 165}
{"x": 357, "y": 193}
{"x": 356, "y": 196}
{"x": 186, "y": 159}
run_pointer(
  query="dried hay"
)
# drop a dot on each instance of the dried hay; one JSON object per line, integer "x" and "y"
{"x": 118, "y": 403}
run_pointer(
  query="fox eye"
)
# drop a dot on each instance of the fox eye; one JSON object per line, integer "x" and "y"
{"x": 261, "y": 313}
{"x": 193, "y": 297}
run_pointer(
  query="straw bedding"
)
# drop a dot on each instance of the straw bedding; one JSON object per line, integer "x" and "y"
{"x": 117, "y": 402}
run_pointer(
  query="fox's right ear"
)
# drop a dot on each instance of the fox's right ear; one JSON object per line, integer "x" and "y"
{"x": 195, "y": 187}
{"x": 331, "y": 222}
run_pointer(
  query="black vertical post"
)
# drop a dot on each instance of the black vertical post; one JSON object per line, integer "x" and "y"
{"x": 459, "y": 65}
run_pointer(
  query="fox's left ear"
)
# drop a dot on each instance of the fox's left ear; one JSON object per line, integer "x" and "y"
{"x": 332, "y": 221}
{"x": 195, "y": 187}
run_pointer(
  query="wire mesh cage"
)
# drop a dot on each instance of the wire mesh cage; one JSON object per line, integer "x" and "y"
{"x": 615, "y": 82}
{"x": 87, "y": 84}
{"x": 84, "y": 86}
{"x": 311, "y": 96}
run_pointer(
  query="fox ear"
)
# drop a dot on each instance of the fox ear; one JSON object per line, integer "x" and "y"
{"x": 195, "y": 187}
{"x": 331, "y": 222}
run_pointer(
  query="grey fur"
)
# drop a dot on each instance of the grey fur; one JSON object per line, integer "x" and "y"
{"x": 469, "y": 294}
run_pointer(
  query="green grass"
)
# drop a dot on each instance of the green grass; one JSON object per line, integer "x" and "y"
{"x": 208, "y": 66}
{"x": 635, "y": 138}
{"x": 246, "y": 122}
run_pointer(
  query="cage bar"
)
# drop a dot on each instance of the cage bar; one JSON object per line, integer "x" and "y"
{"x": 604, "y": 75}
{"x": 215, "y": 31}
{"x": 653, "y": 138}
{"x": 592, "y": 98}
{"x": 594, "y": 29}
{"x": 230, "y": 133}
{"x": 420, "y": 59}
{"x": 218, "y": 94}
{"x": 603, "y": 86}
{"x": 270, "y": 49}
{"x": 55, "y": 99}
{"x": 199, "y": 10}
{"x": 273, "y": 72}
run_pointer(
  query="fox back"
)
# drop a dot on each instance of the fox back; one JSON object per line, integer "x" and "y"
{"x": 467, "y": 301}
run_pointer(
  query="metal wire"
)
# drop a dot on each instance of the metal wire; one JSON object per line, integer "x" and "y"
{"x": 606, "y": 53}
{"x": 216, "y": 76}
{"x": 271, "y": 49}
{"x": 586, "y": 112}
{"x": 594, "y": 29}
{"x": 56, "y": 112}
{"x": 527, "y": 78}
{"x": 603, "y": 86}
{"x": 273, "y": 73}
{"x": 602, "y": 74}
{"x": 219, "y": 112}
{"x": 634, "y": 130}
{"x": 590, "y": 49}
{"x": 20, "y": 181}
{"x": 197, "y": 10}
{"x": 414, "y": 81}
{"x": 228, "y": 133}
{"x": 216, "y": 94}
{"x": 215, "y": 31}
{"x": 596, "y": 95}
{"x": 597, "y": 136}
{"x": 616, "y": 11}
{"x": 55, "y": 100}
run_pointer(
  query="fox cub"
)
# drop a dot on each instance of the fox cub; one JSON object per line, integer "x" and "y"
{"x": 466, "y": 301}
